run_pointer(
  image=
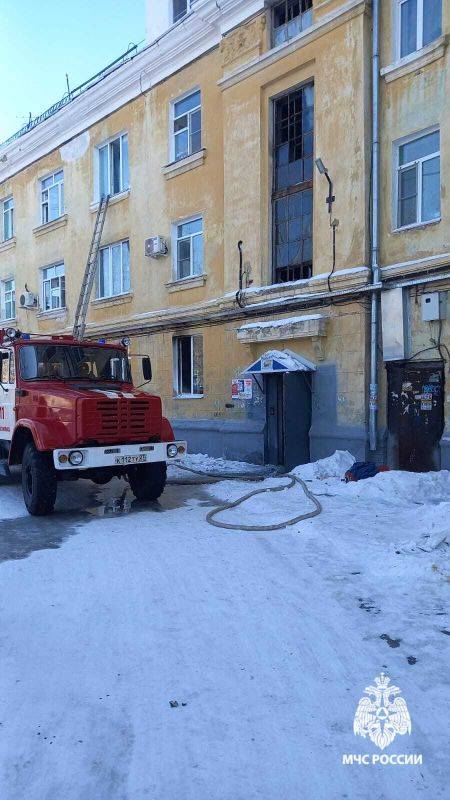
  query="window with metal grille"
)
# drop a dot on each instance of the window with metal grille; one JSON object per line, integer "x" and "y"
{"x": 292, "y": 193}
{"x": 289, "y": 18}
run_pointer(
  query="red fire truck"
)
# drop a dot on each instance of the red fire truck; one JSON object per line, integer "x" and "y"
{"x": 68, "y": 410}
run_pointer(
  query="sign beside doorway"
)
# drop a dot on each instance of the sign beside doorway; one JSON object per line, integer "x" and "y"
{"x": 242, "y": 389}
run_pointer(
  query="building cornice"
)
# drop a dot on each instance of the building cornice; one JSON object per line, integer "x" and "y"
{"x": 180, "y": 45}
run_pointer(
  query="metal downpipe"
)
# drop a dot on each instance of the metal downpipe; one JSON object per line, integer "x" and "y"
{"x": 373, "y": 391}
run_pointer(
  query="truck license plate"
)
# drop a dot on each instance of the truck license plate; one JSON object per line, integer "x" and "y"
{"x": 130, "y": 459}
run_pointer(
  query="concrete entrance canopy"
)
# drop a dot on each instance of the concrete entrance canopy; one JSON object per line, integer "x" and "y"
{"x": 279, "y": 361}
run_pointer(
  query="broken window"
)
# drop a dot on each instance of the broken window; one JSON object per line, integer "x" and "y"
{"x": 188, "y": 365}
{"x": 292, "y": 195}
{"x": 289, "y": 18}
{"x": 113, "y": 166}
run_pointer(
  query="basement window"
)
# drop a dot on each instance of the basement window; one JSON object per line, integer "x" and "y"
{"x": 188, "y": 366}
{"x": 418, "y": 180}
{"x": 419, "y": 22}
{"x": 289, "y": 18}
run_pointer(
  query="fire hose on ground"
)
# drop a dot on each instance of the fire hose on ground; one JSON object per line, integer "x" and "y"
{"x": 254, "y": 476}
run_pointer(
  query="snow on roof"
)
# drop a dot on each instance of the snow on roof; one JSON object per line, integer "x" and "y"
{"x": 280, "y": 323}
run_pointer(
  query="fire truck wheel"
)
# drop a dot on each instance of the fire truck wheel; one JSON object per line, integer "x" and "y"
{"x": 38, "y": 481}
{"x": 148, "y": 481}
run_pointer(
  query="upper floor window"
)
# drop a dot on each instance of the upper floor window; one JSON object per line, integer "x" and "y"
{"x": 53, "y": 287}
{"x": 52, "y": 197}
{"x": 188, "y": 365}
{"x": 289, "y": 18}
{"x": 179, "y": 9}
{"x": 113, "y": 275}
{"x": 113, "y": 169}
{"x": 8, "y": 219}
{"x": 292, "y": 192}
{"x": 419, "y": 22}
{"x": 187, "y": 126}
{"x": 418, "y": 180}
{"x": 8, "y": 299}
{"x": 189, "y": 248}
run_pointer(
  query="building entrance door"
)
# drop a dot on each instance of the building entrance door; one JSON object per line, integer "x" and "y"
{"x": 288, "y": 418}
{"x": 415, "y": 414}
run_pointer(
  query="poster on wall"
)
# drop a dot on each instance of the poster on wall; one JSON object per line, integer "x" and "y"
{"x": 242, "y": 389}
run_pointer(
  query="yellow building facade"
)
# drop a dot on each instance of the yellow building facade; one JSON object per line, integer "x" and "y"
{"x": 220, "y": 255}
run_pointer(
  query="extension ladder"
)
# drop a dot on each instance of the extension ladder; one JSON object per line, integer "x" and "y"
{"x": 79, "y": 326}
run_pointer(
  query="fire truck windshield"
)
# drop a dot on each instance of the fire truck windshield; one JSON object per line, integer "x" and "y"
{"x": 68, "y": 362}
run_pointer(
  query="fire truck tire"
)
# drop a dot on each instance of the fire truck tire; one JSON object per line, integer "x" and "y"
{"x": 39, "y": 482}
{"x": 148, "y": 481}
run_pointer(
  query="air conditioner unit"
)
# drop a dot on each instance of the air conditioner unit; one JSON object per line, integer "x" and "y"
{"x": 155, "y": 247}
{"x": 28, "y": 300}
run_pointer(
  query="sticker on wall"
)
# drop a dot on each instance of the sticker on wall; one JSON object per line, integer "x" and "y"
{"x": 242, "y": 389}
{"x": 426, "y": 405}
{"x": 407, "y": 386}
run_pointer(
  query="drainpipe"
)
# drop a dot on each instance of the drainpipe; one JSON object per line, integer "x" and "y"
{"x": 373, "y": 394}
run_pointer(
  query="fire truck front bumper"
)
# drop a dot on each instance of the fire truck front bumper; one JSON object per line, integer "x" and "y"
{"x": 116, "y": 456}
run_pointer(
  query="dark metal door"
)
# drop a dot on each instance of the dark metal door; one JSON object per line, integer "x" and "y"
{"x": 297, "y": 418}
{"x": 415, "y": 414}
{"x": 274, "y": 419}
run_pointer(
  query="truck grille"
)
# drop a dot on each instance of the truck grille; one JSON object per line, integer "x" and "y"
{"x": 122, "y": 419}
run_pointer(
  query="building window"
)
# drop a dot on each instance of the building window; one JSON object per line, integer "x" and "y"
{"x": 53, "y": 288}
{"x": 8, "y": 219}
{"x": 189, "y": 249}
{"x": 419, "y": 22}
{"x": 418, "y": 180}
{"x": 113, "y": 275}
{"x": 187, "y": 126}
{"x": 8, "y": 299}
{"x": 289, "y": 18}
{"x": 113, "y": 169}
{"x": 188, "y": 365}
{"x": 179, "y": 9}
{"x": 52, "y": 197}
{"x": 292, "y": 193}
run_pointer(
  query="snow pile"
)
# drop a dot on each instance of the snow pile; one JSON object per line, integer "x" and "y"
{"x": 425, "y": 488}
{"x": 334, "y": 466}
{"x": 215, "y": 466}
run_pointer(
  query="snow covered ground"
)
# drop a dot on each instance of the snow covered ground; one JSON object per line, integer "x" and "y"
{"x": 145, "y": 654}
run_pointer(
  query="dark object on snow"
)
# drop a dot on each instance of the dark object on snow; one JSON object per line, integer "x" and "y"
{"x": 363, "y": 469}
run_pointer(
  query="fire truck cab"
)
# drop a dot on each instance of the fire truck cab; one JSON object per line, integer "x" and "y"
{"x": 68, "y": 410}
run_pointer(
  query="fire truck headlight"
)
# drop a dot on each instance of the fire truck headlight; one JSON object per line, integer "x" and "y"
{"x": 76, "y": 458}
{"x": 172, "y": 450}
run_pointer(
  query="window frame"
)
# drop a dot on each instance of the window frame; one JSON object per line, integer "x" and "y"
{"x": 109, "y": 248}
{"x": 12, "y": 299}
{"x": 418, "y": 28}
{"x": 98, "y": 183}
{"x": 61, "y": 287}
{"x": 176, "y": 367}
{"x": 398, "y": 168}
{"x": 176, "y": 239}
{"x": 61, "y": 197}
{"x": 7, "y": 213}
{"x": 172, "y": 118}
{"x": 301, "y": 16}
{"x": 180, "y": 16}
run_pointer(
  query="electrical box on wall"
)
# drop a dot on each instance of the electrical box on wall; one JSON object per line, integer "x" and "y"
{"x": 433, "y": 306}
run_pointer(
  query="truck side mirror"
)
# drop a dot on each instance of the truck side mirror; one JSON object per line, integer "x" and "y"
{"x": 147, "y": 368}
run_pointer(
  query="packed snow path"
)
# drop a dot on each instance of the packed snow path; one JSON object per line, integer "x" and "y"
{"x": 145, "y": 654}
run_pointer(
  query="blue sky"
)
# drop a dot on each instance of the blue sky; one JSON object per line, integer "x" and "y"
{"x": 41, "y": 40}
